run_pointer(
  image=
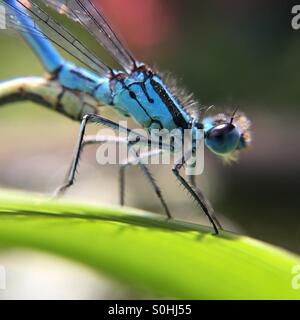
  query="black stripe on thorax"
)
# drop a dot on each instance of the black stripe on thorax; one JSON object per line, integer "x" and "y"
{"x": 176, "y": 114}
{"x": 81, "y": 76}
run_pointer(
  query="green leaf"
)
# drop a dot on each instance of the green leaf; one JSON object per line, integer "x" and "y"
{"x": 166, "y": 258}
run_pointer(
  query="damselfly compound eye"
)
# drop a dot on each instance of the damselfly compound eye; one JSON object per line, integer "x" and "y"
{"x": 223, "y": 139}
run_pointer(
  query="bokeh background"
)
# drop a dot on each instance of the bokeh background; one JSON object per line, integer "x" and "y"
{"x": 228, "y": 53}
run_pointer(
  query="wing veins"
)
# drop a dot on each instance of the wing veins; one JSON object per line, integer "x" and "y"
{"x": 85, "y": 12}
{"x": 60, "y": 31}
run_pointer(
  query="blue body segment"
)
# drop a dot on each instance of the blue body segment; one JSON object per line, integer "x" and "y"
{"x": 48, "y": 55}
{"x": 145, "y": 97}
{"x": 140, "y": 95}
{"x": 208, "y": 124}
{"x": 77, "y": 78}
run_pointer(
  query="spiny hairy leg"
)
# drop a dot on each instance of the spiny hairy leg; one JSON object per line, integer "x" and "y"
{"x": 207, "y": 203}
{"x": 88, "y": 118}
{"x": 192, "y": 191}
{"x": 89, "y": 140}
{"x": 139, "y": 160}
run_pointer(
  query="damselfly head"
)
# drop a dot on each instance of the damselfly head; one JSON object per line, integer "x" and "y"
{"x": 226, "y": 134}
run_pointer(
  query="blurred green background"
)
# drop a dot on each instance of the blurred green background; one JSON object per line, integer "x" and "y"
{"x": 229, "y": 53}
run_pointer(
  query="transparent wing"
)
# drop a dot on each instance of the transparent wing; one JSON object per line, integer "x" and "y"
{"x": 46, "y": 26}
{"x": 85, "y": 12}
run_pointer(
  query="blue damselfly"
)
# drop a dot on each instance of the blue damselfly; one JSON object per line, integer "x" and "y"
{"x": 134, "y": 91}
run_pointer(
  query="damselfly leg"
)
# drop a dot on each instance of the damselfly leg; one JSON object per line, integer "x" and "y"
{"x": 193, "y": 192}
{"x": 148, "y": 175}
{"x": 192, "y": 180}
{"x": 88, "y": 118}
{"x": 135, "y": 158}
